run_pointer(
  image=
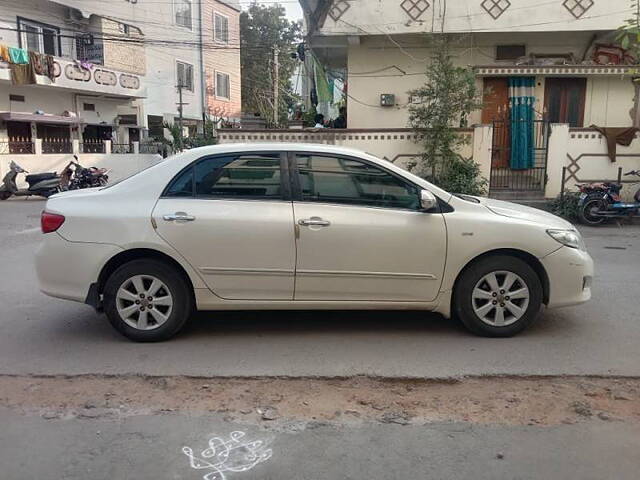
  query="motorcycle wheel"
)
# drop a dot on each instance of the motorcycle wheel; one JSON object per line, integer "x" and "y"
{"x": 587, "y": 212}
{"x": 4, "y": 195}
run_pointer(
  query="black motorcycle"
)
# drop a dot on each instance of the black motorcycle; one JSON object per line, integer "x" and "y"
{"x": 600, "y": 201}
{"x": 87, "y": 177}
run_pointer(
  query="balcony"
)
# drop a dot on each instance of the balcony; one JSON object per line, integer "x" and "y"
{"x": 98, "y": 79}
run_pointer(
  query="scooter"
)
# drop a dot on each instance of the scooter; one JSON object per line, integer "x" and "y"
{"x": 600, "y": 201}
{"x": 41, "y": 184}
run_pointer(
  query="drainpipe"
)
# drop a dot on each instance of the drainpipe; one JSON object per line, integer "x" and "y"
{"x": 203, "y": 79}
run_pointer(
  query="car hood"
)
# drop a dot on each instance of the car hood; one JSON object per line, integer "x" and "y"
{"x": 522, "y": 212}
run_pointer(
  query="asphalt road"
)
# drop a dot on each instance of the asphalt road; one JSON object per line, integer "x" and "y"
{"x": 41, "y": 335}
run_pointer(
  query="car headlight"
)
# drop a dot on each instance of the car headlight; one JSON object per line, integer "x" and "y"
{"x": 568, "y": 238}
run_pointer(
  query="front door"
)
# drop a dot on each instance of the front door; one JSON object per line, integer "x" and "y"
{"x": 361, "y": 234}
{"x": 230, "y": 217}
{"x": 564, "y": 100}
{"x": 495, "y": 110}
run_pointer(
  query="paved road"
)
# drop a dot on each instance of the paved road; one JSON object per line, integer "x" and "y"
{"x": 48, "y": 336}
{"x": 145, "y": 447}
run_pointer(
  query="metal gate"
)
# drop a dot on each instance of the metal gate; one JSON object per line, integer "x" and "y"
{"x": 503, "y": 177}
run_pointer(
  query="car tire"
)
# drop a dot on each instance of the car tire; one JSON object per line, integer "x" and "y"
{"x": 130, "y": 293}
{"x": 498, "y": 296}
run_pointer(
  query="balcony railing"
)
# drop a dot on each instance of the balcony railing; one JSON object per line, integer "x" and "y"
{"x": 57, "y": 145}
{"x": 17, "y": 146}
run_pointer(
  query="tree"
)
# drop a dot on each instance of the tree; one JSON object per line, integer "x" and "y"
{"x": 445, "y": 101}
{"x": 629, "y": 38}
{"x": 262, "y": 29}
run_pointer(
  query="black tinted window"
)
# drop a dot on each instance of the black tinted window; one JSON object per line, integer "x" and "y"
{"x": 339, "y": 180}
{"x": 246, "y": 176}
{"x": 182, "y": 185}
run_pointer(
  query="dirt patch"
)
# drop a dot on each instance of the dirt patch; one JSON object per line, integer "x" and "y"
{"x": 485, "y": 400}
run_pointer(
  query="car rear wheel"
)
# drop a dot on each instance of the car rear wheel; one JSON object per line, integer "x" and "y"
{"x": 498, "y": 296}
{"x": 147, "y": 300}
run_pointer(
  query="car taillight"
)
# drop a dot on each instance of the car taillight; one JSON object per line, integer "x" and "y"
{"x": 50, "y": 222}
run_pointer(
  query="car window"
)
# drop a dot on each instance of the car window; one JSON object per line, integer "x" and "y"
{"x": 347, "y": 181}
{"x": 246, "y": 176}
{"x": 255, "y": 176}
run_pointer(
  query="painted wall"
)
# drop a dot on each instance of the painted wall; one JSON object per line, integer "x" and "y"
{"x": 395, "y": 65}
{"x": 388, "y": 17}
{"x": 225, "y": 58}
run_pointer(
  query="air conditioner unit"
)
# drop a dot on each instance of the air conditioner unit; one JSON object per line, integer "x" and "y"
{"x": 75, "y": 17}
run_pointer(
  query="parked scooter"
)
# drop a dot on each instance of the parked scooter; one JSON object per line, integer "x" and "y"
{"x": 600, "y": 201}
{"x": 41, "y": 184}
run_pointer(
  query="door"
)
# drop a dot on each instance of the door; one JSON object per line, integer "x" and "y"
{"x": 564, "y": 100}
{"x": 495, "y": 110}
{"x": 361, "y": 234}
{"x": 231, "y": 218}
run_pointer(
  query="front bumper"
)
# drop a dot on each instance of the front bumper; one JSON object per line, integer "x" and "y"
{"x": 570, "y": 274}
{"x": 67, "y": 269}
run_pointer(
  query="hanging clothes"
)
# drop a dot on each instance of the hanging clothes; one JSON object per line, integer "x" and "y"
{"x": 4, "y": 53}
{"x": 521, "y": 100}
{"x": 19, "y": 56}
{"x": 22, "y": 74}
{"x": 322, "y": 85}
{"x": 50, "y": 70}
{"x": 616, "y": 136}
{"x": 36, "y": 59}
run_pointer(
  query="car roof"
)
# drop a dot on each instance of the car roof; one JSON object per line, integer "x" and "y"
{"x": 296, "y": 147}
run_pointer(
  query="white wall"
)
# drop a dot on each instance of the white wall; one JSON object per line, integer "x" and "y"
{"x": 121, "y": 166}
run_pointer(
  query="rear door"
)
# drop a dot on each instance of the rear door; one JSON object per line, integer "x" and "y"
{"x": 231, "y": 218}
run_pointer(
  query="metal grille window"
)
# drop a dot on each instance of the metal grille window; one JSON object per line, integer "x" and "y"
{"x": 39, "y": 37}
{"x": 184, "y": 75}
{"x": 220, "y": 28}
{"x": 223, "y": 89}
{"x": 182, "y": 10}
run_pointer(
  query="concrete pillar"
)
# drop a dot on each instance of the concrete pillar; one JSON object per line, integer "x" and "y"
{"x": 37, "y": 145}
{"x": 556, "y": 158}
{"x": 482, "y": 148}
{"x": 75, "y": 146}
{"x": 107, "y": 147}
{"x": 136, "y": 147}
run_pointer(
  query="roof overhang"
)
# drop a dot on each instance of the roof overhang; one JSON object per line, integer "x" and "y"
{"x": 556, "y": 70}
{"x": 33, "y": 117}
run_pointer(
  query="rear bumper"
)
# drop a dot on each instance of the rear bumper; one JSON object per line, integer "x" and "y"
{"x": 570, "y": 274}
{"x": 68, "y": 269}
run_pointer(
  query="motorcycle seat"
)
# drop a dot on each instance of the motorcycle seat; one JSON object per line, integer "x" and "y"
{"x": 38, "y": 177}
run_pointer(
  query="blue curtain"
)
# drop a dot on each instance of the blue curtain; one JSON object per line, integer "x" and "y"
{"x": 521, "y": 101}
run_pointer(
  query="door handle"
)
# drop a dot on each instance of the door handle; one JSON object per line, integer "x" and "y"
{"x": 314, "y": 221}
{"x": 178, "y": 217}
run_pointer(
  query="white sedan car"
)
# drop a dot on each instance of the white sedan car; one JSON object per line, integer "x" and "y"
{"x": 294, "y": 226}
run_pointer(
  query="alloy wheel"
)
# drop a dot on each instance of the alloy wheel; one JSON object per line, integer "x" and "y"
{"x": 144, "y": 302}
{"x": 500, "y": 298}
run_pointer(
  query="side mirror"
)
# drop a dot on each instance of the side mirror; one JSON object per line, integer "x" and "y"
{"x": 428, "y": 200}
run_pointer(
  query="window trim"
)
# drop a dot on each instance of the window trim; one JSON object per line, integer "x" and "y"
{"x": 285, "y": 182}
{"x": 34, "y": 23}
{"x": 193, "y": 77}
{"x": 215, "y": 87}
{"x": 215, "y": 39}
{"x": 175, "y": 20}
{"x": 297, "y": 187}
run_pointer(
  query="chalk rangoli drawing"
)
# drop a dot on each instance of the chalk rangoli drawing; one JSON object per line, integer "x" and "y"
{"x": 233, "y": 455}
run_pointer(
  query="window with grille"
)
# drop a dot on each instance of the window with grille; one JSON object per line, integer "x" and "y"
{"x": 223, "y": 89}
{"x": 220, "y": 28}
{"x": 184, "y": 75}
{"x": 39, "y": 37}
{"x": 182, "y": 10}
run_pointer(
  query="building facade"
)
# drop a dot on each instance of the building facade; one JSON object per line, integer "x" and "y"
{"x": 120, "y": 70}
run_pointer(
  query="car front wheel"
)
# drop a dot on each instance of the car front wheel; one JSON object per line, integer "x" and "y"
{"x": 147, "y": 300}
{"x": 498, "y": 296}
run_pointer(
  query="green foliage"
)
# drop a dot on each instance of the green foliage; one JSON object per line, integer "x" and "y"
{"x": 179, "y": 142}
{"x": 628, "y": 35}
{"x": 565, "y": 205}
{"x": 446, "y": 99}
{"x": 462, "y": 175}
{"x": 263, "y": 28}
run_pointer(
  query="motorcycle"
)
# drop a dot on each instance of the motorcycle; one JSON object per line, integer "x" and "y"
{"x": 87, "y": 177}
{"x": 41, "y": 184}
{"x": 601, "y": 201}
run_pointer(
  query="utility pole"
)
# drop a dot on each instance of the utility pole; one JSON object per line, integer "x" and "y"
{"x": 276, "y": 85}
{"x": 180, "y": 110}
